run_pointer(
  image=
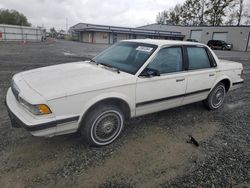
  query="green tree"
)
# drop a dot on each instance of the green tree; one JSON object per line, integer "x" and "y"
{"x": 175, "y": 15}
{"x": 162, "y": 17}
{"x": 13, "y": 17}
{"x": 192, "y": 12}
{"x": 171, "y": 16}
{"x": 216, "y": 11}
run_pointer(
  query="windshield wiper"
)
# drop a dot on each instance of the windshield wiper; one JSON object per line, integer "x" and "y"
{"x": 110, "y": 66}
{"x": 92, "y": 61}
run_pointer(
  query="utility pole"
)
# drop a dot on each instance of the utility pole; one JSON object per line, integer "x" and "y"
{"x": 66, "y": 25}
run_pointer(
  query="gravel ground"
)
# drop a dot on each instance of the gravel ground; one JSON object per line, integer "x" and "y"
{"x": 152, "y": 151}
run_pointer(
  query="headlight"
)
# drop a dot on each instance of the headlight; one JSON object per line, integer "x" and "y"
{"x": 37, "y": 109}
{"x": 15, "y": 89}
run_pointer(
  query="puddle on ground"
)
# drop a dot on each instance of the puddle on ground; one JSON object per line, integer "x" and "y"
{"x": 234, "y": 105}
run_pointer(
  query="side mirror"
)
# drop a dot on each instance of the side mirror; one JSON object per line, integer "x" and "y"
{"x": 148, "y": 72}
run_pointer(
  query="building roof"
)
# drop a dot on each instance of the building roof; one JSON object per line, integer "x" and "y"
{"x": 166, "y": 25}
{"x": 22, "y": 27}
{"x": 126, "y": 30}
{"x": 160, "y": 42}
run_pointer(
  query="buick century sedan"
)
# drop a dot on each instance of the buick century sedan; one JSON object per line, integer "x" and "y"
{"x": 129, "y": 79}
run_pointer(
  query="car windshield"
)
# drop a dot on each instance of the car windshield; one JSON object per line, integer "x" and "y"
{"x": 126, "y": 56}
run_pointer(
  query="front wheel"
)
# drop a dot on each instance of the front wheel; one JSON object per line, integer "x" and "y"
{"x": 102, "y": 125}
{"x": 216, "y": 97}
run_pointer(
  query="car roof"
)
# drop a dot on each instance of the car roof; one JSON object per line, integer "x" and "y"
{"x": 160, "y": 42}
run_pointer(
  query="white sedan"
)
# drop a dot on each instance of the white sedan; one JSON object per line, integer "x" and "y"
{"x": 129, "y": 79}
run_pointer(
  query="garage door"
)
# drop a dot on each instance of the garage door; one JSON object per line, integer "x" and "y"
{"x": 220, "y": 36}
{"x": 101, "y": 37}
{"x": 122, "y": 37}
{"x": 196, "y": 35}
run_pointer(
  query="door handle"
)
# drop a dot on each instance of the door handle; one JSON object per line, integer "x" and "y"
{"x": 180, "y": 80}
{"x": 211, "y": 74}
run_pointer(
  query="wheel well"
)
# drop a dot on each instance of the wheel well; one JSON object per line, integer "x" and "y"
{"x": 227, "y": 84}
{"x": 114, "y": 101}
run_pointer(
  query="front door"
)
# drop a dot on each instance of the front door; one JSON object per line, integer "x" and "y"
{"x": 165, "y": 91}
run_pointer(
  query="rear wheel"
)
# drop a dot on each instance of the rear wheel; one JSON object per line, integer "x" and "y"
{"x": 102, "y": 125}
{"x": 216, "y": 97}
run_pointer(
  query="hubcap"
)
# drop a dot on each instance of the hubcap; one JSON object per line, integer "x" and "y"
{"x": 106, "y": 127}
{"x": 218, "y": 97}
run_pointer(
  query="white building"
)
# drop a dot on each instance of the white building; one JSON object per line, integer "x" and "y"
{"x": 239, "y": 36}
{"x": 92, "y": 33}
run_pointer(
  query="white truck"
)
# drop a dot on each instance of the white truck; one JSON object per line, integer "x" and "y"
{"x": 129, "y": 79}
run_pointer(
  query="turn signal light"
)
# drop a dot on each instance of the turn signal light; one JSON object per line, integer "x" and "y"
{"x": 44, "y": 109}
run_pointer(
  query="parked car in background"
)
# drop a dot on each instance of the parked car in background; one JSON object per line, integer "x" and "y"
{"x": 130, "y": 79}
{"x": 219, "y": 44}
{"x": 192, "y": 40}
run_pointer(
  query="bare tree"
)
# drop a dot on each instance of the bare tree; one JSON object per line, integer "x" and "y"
{"x": 206, "y": 12}
{"x": 239, "y": 12}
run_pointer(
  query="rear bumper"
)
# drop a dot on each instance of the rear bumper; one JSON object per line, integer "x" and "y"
{"x": 38, "y": 127}
{"x": 237, "y": 85}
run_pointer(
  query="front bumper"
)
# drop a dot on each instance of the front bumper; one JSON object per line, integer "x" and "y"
{"x": 230, "y": 47}
{"x": 38, "y": 127}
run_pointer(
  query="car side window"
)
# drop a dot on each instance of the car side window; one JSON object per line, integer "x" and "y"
{"x": 167, "y": 60}
{"x": 198, "y": 58}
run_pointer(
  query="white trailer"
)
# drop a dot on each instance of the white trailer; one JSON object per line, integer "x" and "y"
{"x": 20, "y": 33}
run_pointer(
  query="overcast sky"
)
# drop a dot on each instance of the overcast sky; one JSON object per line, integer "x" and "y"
{"x": 130, "y": 13}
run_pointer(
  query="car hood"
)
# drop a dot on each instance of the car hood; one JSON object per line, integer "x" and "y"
{"x": 73, "y": 78}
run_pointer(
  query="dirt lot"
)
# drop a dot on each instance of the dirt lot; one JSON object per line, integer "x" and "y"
{"x": 152, "y": 151}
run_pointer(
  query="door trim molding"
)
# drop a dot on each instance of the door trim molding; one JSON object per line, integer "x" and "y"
{"x": 171, "y": 97}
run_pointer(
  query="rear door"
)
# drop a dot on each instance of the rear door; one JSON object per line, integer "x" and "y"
{"x": 201, "y": 73}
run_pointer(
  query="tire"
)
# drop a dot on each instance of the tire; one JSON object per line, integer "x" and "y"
{"x": 102, "y": 125}
{"x": 216, "y": 97}
{"x": 223, "y": 48}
